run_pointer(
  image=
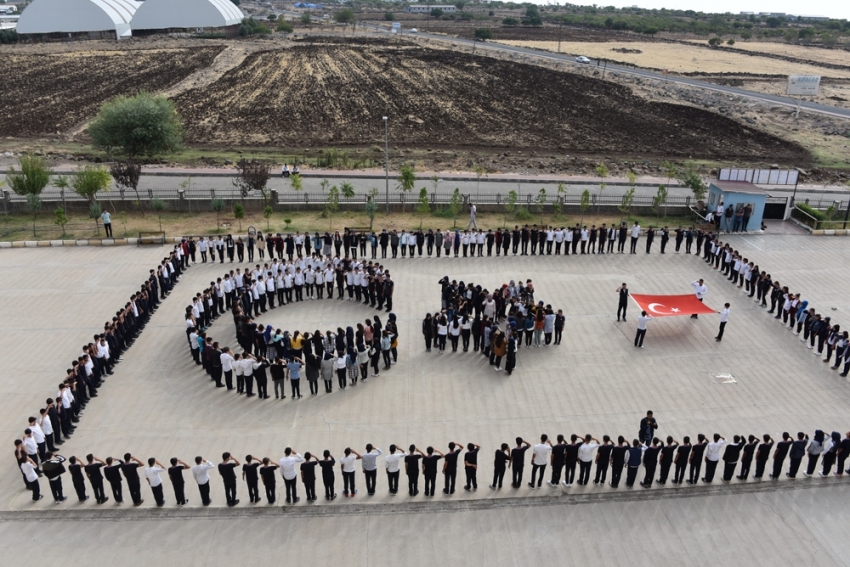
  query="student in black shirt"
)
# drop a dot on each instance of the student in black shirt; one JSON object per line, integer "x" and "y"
{"x": 429, "y": 467}
{"x": 450, "y": 467}
{"x": 571, "y": 459}
{"x": 268, "y": 476}
{"x": 623, "y": 303}
{"x": 250, "y": 474}
{"x": 328, "y": 478}
{"x": 517, "y": 460}
{"x": 308, "y": 476}
{"x": 618, "y": 460}
{"x": 411, "y": 467}
{"x": 130, "y": 468}
{"x": 112, "y": 472}
{"x": 603, "y": 459}
{"x": 175, "y": 474}
{"x": 780, "y": 453}
{"x": 666, "y": 459}
{"x": 762, "y": 455}
{"x": 502, "y": 461}
{"x": 796, "y": 454}
{"x": 650, "y": 461}
{"x": 96, "y": 477}
{"x": 227, "y": 470}
{"x": 76, "y": 470}
{"x": 557, "y": 460}
{"x": 681, "y": 460}
{"x": 747, "y": 454}
{"x": 470, "y": 465}
{"x": 696, "y": 458}
{"x": 730, "y": 457}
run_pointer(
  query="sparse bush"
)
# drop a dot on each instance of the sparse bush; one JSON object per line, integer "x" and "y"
{"x": 730, "y": 42}
{"x": 250, "y": 26}
{"x": 484, "y": 33}
{"x": 510, "y": 22}
{"x": 284, "y": 27}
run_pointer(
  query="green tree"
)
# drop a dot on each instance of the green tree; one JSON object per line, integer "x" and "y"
{"x": 331, "y": 205}
{"x": 60, "y": 218}
{"x": 345, "y": 16}
{"x": 510, "y": 205}
{"x": 141, "y": 125}
{"x": 285, "y": 27}
{"x": 267, "y": 214}
{"x": 34, "y": 207}
{"x": 30, "y": 177}
{"x": 484, "y": 33}
{"x": 730, "y": 42}
{"x": 584, "y": 204}
{"x": 540, "y": 200}
{"x": 436, "y": 13}
{"x": 602, "y": 172}
{"x": 61, "y": 183}
{"x": 305, "y": 19}
{"x": 423, "y": 207}
{"x": 239, "y": 214}
{"x": 217, "y": 205}
{"x": 90, "y": 180}
{"x": 660, "y": 200}
{"x": 510, "y": 22}
{"x": 558, "y": 205}
{"x": 389, "y": 16}
{"x": 790, "y": 35}
{"x": 250, "y": 26}
{"x": 456, "y": 205}
{"x": 158, "y": 206}
{"x": 715, "y": 41}
{"x": 671, "y": 171}
{"x": 625, "y": 205}
{"x": 372, "y": 206}
{"x": 94, "y": 212}
{"x": 347, "y": 190}
{"x": 691, "y": 179}
{"x": 406, "y": 181}
{"x": 297, "y": 183}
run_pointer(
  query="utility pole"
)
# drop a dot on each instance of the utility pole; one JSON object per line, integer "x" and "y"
{"x": 560, "y": 27}
{"x": 387, "y": 161}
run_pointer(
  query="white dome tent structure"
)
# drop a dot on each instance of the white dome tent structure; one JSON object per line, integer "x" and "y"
{"x": 194, "y": 15}
{"x": 78, "y": 19}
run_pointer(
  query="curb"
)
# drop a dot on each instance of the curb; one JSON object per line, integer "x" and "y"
{"x": 556, "y": 498}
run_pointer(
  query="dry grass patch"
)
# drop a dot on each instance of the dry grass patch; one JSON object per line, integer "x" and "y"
{"x": 679, "y": 58}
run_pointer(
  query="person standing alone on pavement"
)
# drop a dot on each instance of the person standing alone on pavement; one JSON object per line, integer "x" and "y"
{"x": 643, "y": 318}
{"x": 724, "y": 318}
{"x": 699, "y": 290}
{"x": 623, "y": 292}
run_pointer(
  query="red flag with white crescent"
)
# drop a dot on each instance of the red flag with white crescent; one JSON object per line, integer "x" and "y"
{"x": 671, "y": 305}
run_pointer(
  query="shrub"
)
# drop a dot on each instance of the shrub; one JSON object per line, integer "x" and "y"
{"x": 811, "y": 211}
{"x": 284, "y": 27}
{"x": 510, "y": 22}
{"x": 389, "y": 16}
{"x": 250, "y": 26}
{"x": 484, "y": 33}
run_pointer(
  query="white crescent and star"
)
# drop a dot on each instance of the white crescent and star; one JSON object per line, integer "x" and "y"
{"x": 652, "y": 307}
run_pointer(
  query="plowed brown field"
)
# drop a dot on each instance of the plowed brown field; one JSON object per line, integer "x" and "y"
{"x": 335, "y": 95}
{"x": 49, "y": 93}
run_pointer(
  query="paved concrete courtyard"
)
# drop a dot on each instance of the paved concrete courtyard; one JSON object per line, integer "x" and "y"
{"x": 158, "y": 403}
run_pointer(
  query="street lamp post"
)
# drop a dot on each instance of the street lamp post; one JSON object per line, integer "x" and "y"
{"x": 387, "y": 161}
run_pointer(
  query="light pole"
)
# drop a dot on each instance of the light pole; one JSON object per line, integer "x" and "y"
{"x": 387, "y": 161}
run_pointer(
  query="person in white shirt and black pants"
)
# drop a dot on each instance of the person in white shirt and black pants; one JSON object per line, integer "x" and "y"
{"x": 643, "y": 318}
{"x": 724, "y": 318}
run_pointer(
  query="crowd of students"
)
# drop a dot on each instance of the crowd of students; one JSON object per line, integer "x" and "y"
{"x": 658, "y": 459}
{"x": 57, "y": 420}
{"x": 469, "y": 311}
{"x": 266, "y": 351}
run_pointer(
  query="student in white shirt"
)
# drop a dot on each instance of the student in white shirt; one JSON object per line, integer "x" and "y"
{"x": 346, "y": 463}
{"x": 635, "y": 233}
{"x": 152, "y": 472}
{"x": 585, "y": 458}
{"x": 200, "y": 472}
{"x": 290, "y": 474}
{"x": 539, "y": 460}
{"x": 712, "y": 457}
{"x": 370, "y": 467}
{"x": 29, "y": 470}
{"x": 642, "y": 320}
{"x": 699, "y": 290}
{"x": 724, "y": 318}
{"x": 392, "y": 463}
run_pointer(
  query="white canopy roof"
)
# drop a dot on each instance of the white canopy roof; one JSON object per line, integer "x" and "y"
{"x": 166, "y": 14}
{"x": 50, "y": 16}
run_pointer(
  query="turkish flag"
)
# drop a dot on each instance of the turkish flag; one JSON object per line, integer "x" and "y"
{"x": 672, "y": 305}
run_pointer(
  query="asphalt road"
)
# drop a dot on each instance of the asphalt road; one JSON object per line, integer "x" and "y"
{"x": 772, "y": 99}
